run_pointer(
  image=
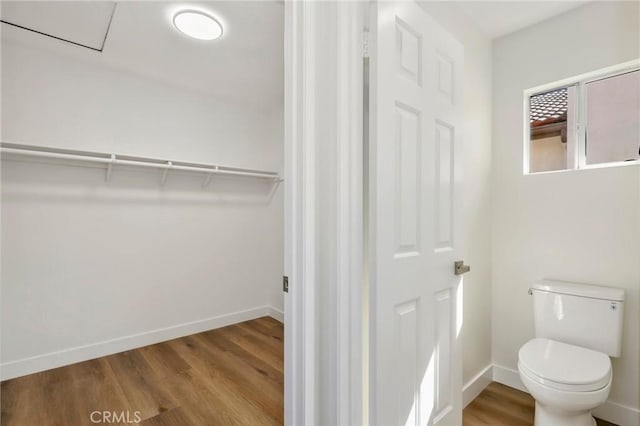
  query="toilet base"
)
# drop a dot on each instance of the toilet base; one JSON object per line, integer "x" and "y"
{"x": 551, "y": 416}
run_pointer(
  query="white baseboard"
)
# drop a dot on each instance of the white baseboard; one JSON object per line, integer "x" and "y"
{"x": 34, "y": 364}
{"x": 275, "y": 313}
{"x": 476, "y": 385}
{"x": 610, "y": 411}
{"x": 508, "y": 376}
{"x": 618, "y": 414}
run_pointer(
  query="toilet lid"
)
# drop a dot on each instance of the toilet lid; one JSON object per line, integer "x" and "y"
{"x": 564, "y": 366}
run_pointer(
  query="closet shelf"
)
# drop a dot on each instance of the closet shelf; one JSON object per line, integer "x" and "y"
{"x": 111, "y": 160}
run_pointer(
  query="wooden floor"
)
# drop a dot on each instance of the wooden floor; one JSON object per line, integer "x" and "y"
{"x": 228, "y": 376}
{"x": 500, "y": 405}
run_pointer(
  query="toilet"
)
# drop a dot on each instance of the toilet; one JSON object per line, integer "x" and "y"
{"x": 567, "y": 367}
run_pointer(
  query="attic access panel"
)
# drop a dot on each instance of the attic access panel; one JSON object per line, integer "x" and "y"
{"x": 83, "y": 23}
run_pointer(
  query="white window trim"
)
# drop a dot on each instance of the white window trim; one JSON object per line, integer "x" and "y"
{"x": 580, "y": 82}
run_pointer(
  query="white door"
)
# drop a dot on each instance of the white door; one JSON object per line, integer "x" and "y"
{"x": 416, "y": 306}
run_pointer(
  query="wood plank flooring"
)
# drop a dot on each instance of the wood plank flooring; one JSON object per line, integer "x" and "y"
{"x": 500, "y": 405}
{"x": 228, "y": 376}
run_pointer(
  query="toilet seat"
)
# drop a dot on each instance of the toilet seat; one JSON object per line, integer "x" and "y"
{"x": 563, "y": 366}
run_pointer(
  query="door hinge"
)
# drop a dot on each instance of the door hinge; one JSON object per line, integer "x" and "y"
{"x": 365, "y": 44}
{"x": 285, "y": 284}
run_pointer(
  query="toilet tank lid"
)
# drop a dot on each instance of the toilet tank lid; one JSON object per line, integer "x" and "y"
{"x": 579, "y": 289}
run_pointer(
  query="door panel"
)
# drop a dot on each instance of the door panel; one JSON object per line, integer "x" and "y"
{"x": 407, "y": 176}
{"x": 415, "y": 201}
{"x": 444, "y": 181}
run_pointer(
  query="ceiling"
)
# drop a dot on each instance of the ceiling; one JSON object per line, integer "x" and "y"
{"x": 244, "y": 66}
{"x": 498, "y": 18}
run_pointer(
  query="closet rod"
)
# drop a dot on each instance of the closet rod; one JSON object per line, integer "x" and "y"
{"x": 117, "y": 160}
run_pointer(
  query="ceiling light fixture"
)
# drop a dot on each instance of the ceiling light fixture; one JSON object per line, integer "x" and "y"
{"x": 197, "y": 25}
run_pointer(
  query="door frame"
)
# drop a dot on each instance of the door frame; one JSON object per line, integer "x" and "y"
{"x": 299, "y": 337}
{"x": 306, "y": 23}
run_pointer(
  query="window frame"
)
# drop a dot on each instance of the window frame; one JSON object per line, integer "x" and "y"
{"x": 580, "y": 82}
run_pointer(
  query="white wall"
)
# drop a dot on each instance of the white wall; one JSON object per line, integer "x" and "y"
{"x": 476, "y": 330}
{"x": 52, "y": 100}
{"x": 577, "y": 225}
{"x": 84, "y": 262}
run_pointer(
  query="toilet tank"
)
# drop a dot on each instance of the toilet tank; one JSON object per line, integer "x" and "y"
{"x": 580, "y": 314}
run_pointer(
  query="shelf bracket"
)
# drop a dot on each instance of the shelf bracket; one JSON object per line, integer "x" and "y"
{"x": 207, "y": 180}
{"x": 165, "y": 172}
{"x": 110, "y": 167}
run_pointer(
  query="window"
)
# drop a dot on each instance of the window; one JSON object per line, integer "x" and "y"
{"x": 584, "y": 122}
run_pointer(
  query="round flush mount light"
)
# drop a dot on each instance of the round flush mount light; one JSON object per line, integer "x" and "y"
{"x": 197, "y": 25}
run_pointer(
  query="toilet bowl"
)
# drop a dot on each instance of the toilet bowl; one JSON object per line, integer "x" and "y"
{"x": 566, "y": 381}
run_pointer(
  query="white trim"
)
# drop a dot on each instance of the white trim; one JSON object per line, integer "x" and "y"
{"x": 526, "y": 135}
{"x": 618, "y": 414}
{"x": 338, "y": 186}
{"x": 580, "y": 100}
{"x": 476, "y": 385}
{"x": 293, "y": 405}
{"x": 34, "y": 364}
{"x": 275, "y": 313}
{"x": 588, "y": 167}
{"x": 307, "y": 212}
{"x": 586, "y": 77}
{"x": 610, "y": 411}
{"x": 349, "y": 189}
{"x": 299, "y": 240}
{"x": 610, "y": 164}
{"x": 509, "y": 377}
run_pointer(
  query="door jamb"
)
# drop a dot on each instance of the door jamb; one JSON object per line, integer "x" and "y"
{"x": 303, "y": 26}
{"x": 299, "y": 342}
{"x": 350, "y": 223}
